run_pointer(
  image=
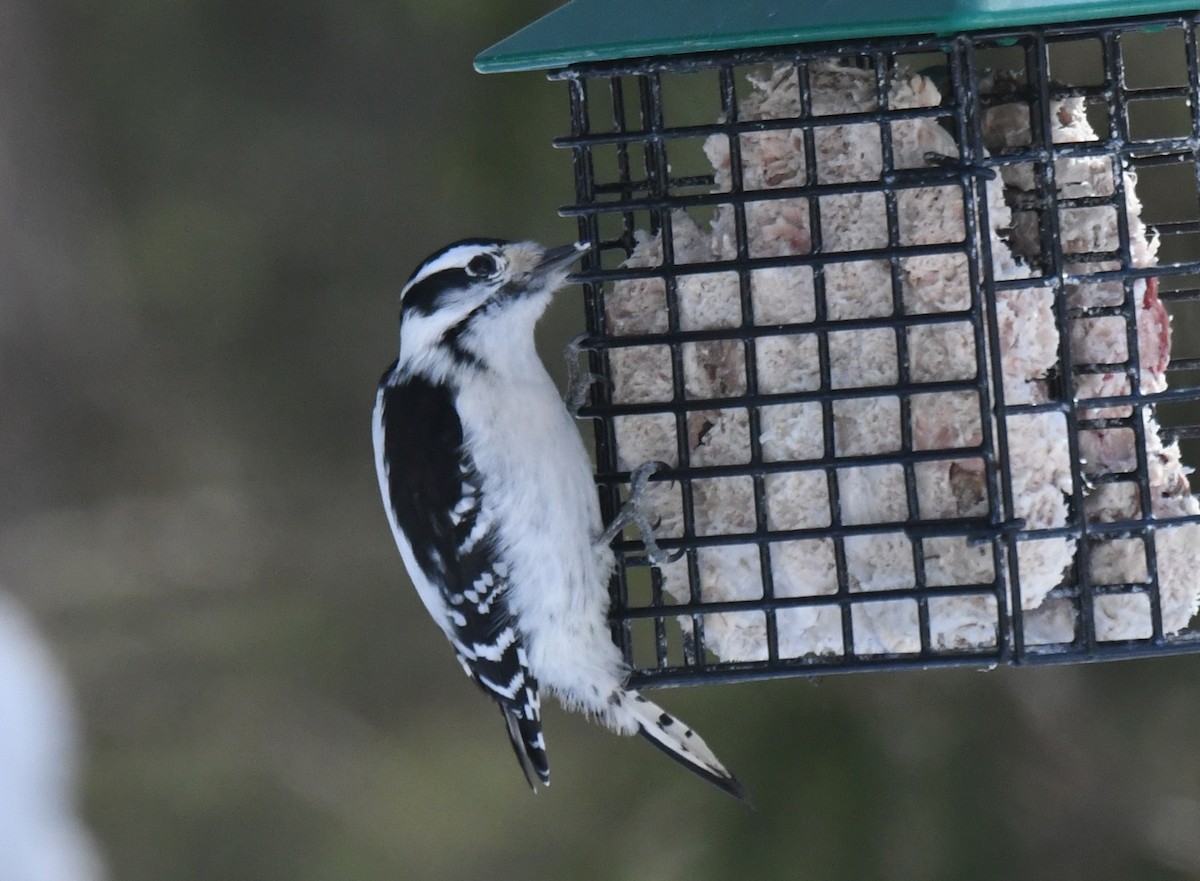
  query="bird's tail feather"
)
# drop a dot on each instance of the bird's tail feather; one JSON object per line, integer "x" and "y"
{"x": 526, "y": 735}
{"x": 681, "y": 743}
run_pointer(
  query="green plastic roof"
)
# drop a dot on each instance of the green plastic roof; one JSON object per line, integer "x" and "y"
{"x": 603, "y": 30}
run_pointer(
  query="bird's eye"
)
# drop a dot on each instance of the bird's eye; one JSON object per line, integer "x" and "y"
{"x": 482, "y": 266}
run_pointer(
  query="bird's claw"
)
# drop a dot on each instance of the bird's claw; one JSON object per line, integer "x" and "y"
{"x": 633, "y": 512}
{"x": 579, "y": 382}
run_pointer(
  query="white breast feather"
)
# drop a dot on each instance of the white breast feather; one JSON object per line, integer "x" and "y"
{"x": 538, "y": 489}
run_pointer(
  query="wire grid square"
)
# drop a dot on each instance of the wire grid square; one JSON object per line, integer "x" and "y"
{"x": 826, "y": 373}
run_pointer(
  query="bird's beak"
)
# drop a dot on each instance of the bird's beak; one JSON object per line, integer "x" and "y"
{"x": 560, "y": 258}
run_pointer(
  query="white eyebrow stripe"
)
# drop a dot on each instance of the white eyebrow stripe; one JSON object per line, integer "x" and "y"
{"x": 456, "y": 258}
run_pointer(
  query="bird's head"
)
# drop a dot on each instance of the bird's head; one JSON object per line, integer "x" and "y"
{"x": 477, "y": 293}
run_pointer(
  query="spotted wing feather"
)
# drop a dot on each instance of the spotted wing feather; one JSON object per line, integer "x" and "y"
{"x": 440, "y": 513}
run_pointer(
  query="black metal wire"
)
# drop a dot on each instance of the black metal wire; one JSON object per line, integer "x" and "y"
{"x": 641, "y": 191}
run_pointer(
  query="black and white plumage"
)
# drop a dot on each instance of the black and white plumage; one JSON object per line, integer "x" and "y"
{"x": 489, "y": 493}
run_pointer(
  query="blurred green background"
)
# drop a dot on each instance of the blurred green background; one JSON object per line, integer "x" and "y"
{"x": 207, "y": 209}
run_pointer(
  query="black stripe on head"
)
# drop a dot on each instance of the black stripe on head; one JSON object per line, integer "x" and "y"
{"x": 483, "y": 243}
{"x": 452, "y": 340}
{"x": 422, "y": 297}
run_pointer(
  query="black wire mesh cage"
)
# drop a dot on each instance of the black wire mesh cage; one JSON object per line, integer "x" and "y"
{"x": 914, "y": 324}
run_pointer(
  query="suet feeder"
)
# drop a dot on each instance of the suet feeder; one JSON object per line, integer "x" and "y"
{"x": 909, "y": 305}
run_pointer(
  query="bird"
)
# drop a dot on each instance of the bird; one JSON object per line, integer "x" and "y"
{"x": 490, "y": 496}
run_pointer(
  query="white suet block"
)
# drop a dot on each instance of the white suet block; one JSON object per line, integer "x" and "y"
{"x": 947, "y": 487}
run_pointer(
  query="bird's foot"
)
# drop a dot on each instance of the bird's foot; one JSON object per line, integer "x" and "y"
{"x": 634, "y": 512}
{"x": 579, "y": 382}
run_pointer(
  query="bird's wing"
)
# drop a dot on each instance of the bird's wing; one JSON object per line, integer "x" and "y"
{"x": 438, "y": 513}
